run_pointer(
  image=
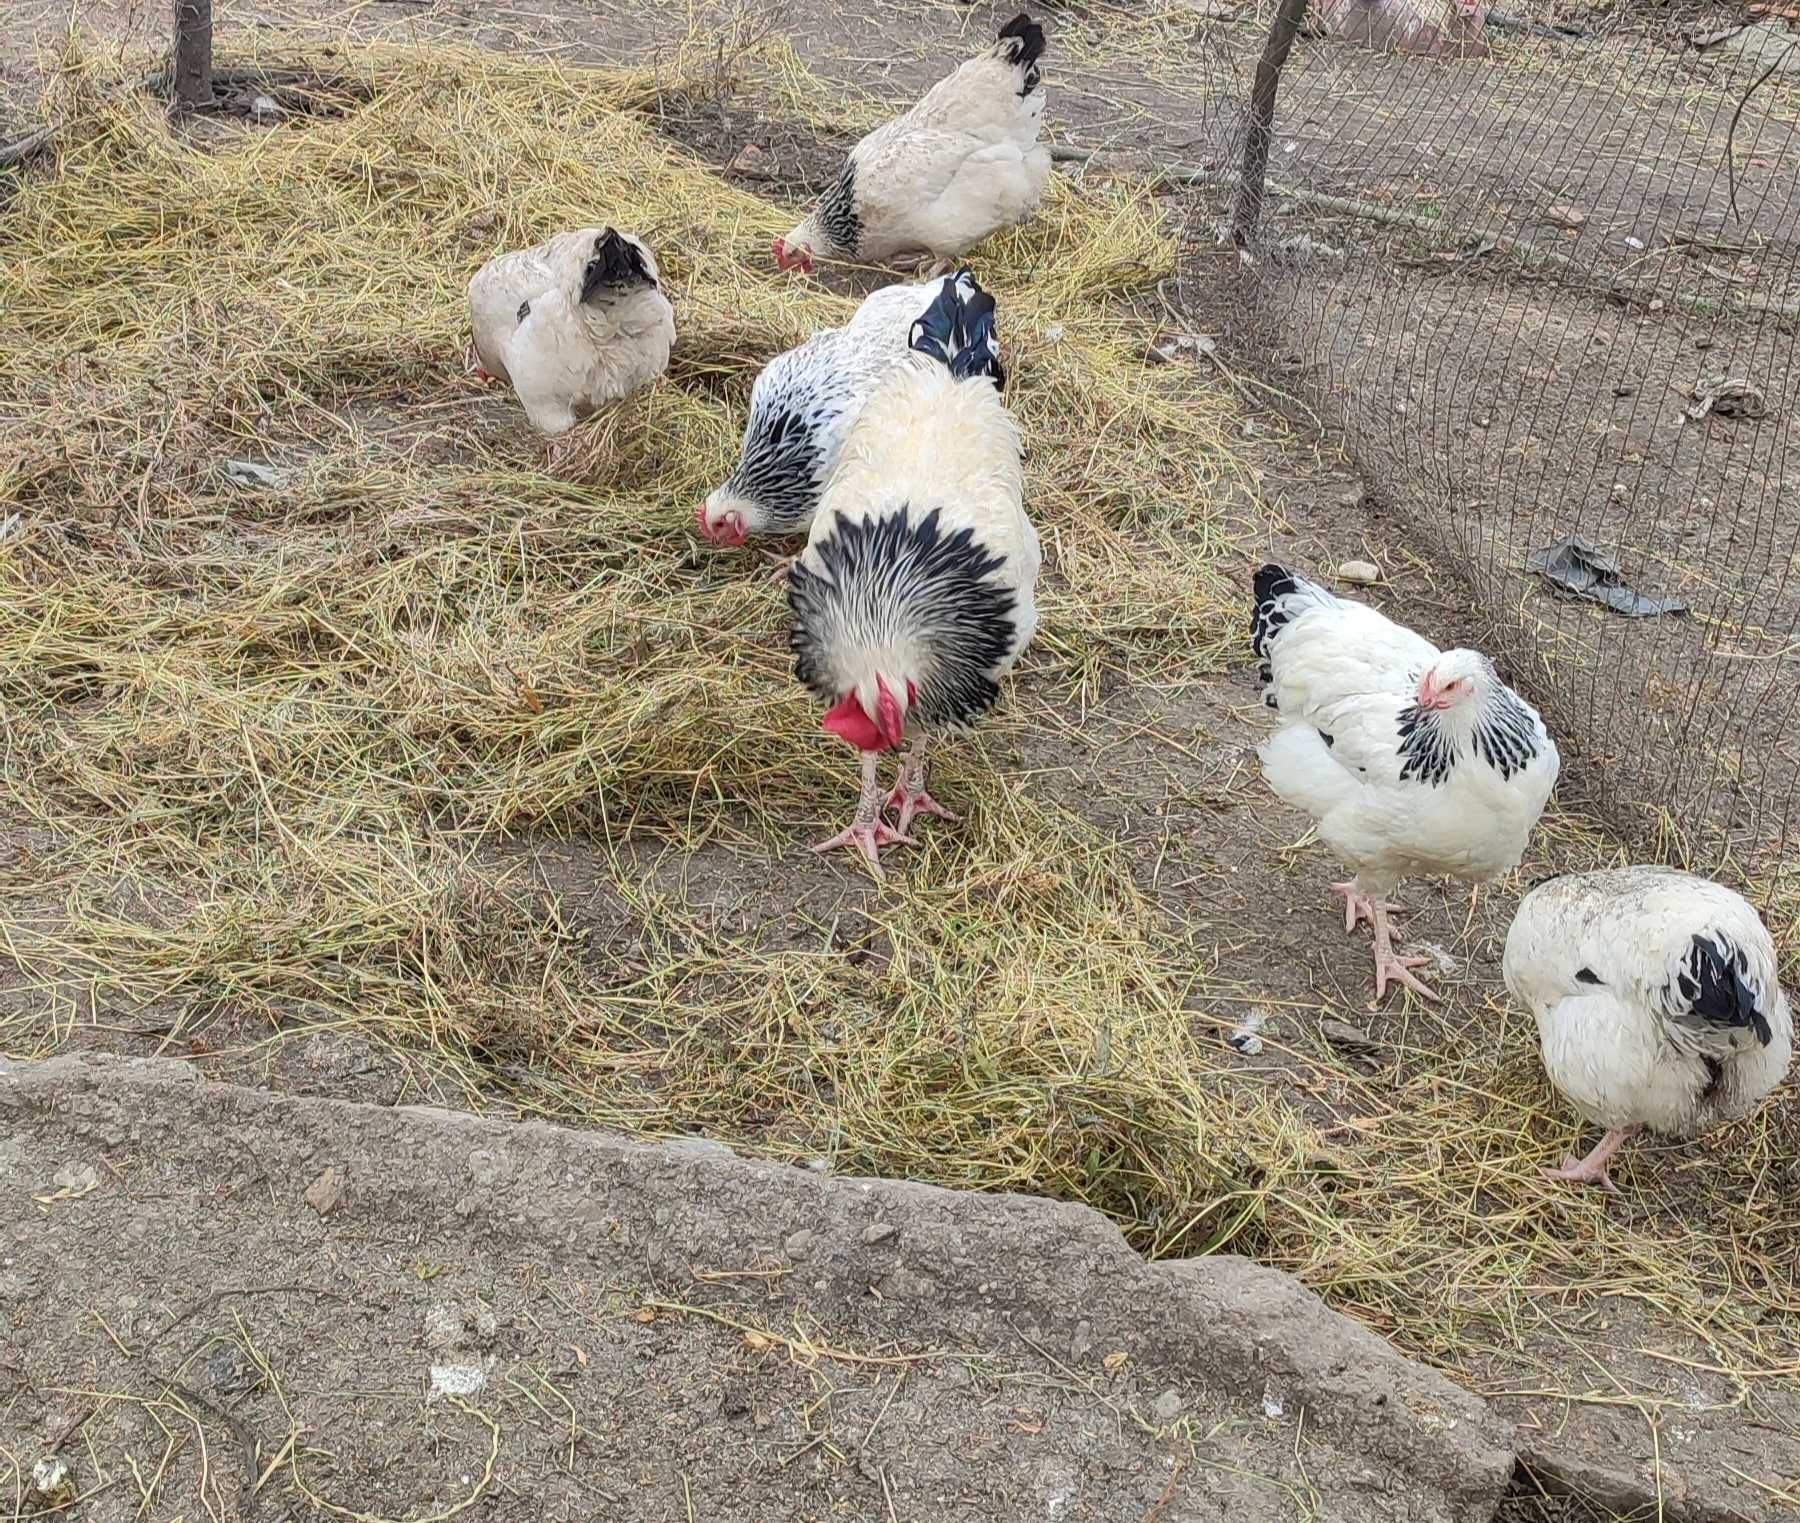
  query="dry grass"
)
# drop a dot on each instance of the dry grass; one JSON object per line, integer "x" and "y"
{"x": 263, "y": 747}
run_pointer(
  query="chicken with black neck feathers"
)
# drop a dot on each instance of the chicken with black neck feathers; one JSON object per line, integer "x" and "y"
{"x": 929, "y": 185}
{"x": 916, "y": 591}
{"x": 1658, "y": 1003}
{"x": 1409, "y": 759}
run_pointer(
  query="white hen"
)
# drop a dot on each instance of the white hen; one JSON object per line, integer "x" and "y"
{"x": 573, "y": 323}
{"x": 1410, "y": 759}
{"x": 800, "y": 411}
{"x": 917, "y": 588}
{"x": 929, "y": 185}
{"x": 1657, "y": 1000}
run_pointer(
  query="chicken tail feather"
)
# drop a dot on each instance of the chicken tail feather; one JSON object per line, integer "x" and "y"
{"x": 958, "y": 330}
{"x": 1021, "y": 43}
{"x": 616, "y": 265}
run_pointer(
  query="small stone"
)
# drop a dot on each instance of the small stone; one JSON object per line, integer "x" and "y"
{"x": 1359, "y": 573}
{"x": 1350, "y": 497}
{"x": 1167, "y": 1407}
{"x": 798, "y": 1244}
{"x": 53, "y": 1482}
{"x": 76, "y": 1178}
{"x": 444, "y": 1325}
{"x": 1180, "y": 346}
{"x": 752, "y": 163}
{"x": 1566, "y": 214}
{"x": 880, "y": 1232}
{"x": 1082, "y": 1343}
{"x": 488, "y": 1167}
{"x": 487, "y": 1325}
{"x": 264, "y": 109}
{"x": 326, "y": 1193}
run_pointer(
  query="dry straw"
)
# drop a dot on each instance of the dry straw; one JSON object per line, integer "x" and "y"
{"x": 270, "y": 750}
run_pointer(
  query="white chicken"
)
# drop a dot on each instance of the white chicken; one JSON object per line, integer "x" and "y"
{"x": 1409, "y": 759}
{"x": 800, "y": 411}
{"x": 917, "y": 588}
{"x": 573, "y": 323}
{"x": 1407, "y": 26}
{"x": 929, "y": 185}
{"x": 1657, "y": 1000}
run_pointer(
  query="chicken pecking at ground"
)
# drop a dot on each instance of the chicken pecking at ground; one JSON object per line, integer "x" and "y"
{"x": 571, "y": 324}
{"x": 800, "y": 410}
{"x": 1410, "y": 759}
{"x": 1657, "y": 1000}
{"x": 917, "y": 588}
{"x": 929, "y": 185}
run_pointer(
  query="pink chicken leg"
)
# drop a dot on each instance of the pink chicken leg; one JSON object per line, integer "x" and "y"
{"x": 867, "y": 832}
{"x": 1592, "y": 1169}
{"x": 909, "y": 794}
{"x": 1388, "y": 963}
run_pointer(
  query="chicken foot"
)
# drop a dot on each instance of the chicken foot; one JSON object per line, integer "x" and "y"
{"x": 1592, "y": 1169}
{"x": 1359, "y": 906}
{"x": 909, "y": 789}
{"x": 867, "y": 832}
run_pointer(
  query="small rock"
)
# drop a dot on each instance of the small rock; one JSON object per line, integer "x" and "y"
{"x": 1347, "y": 1038}
{"x": 488, "y": 1167}
{"x": 1180, "y": 346}
{"x": 752, "y": 163}
{"x": 1350, "y": 497}
{"x": 326, "y": 1193}
{"x": 1566, "y": 214}
{"x": 1081, "y": 1344}
{"x": 879, "y": 1232}
{"x": 53, "y": 1482}
{"x": 487, "y": 1325}
{"x": 1359, "y": 573}
{"x": 798, "y": 1244}
{"x": 444, "y": 1325}
{"x": 1272, "y": 1404}
{"x": 76, "y": 1178}
{"x": 264, "y": 109}
{"x": 1167, "y": 1407}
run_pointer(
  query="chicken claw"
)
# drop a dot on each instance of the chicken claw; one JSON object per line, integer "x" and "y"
{"x": 1359, "y": 907}
{"x": 909, "y": 794}
{"x": 1389, "y": 963}
{"x": 867, "y": 832}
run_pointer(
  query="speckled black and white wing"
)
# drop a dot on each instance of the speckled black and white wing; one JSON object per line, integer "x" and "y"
{"x": 804, "y": 402}
{"x": 1656, "y": 994}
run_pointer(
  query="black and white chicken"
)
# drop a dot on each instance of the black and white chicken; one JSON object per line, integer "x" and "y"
{"x": 1410, "y": 759}
{"x": 801, "y": 409}
{"x": 931, "y": 184}
{"x": 916, "y": 591}
{"x": 573, "y": 323}
{"x": 1657, "y": 1000}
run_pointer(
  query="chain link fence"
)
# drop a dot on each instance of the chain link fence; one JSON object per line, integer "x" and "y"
{"x": 1547, "y": 286}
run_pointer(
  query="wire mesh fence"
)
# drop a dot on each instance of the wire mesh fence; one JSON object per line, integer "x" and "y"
{"x": 1547, "y": 286}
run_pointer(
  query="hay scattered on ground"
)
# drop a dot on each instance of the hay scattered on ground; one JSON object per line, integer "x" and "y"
{"x": 266, "y": 747}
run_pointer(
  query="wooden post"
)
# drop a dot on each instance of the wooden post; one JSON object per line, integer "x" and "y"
{"x": 193, "y": 53}
{"x": 1246, "y": 205}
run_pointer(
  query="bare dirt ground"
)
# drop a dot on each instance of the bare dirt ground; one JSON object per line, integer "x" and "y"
{"x": 1613, "y": 1398}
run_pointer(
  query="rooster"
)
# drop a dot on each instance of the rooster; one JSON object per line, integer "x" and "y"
{"x": 963, "y": 163}
{"x": 1657, "y": 1000}
{"x": 573, "y": 323}
{"x": 1410, "y": 759}
{"x": 916, "y": 591}
{"x": 800, "y": 409}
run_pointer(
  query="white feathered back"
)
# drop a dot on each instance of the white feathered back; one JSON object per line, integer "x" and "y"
{"x": 1657, "y": 996}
